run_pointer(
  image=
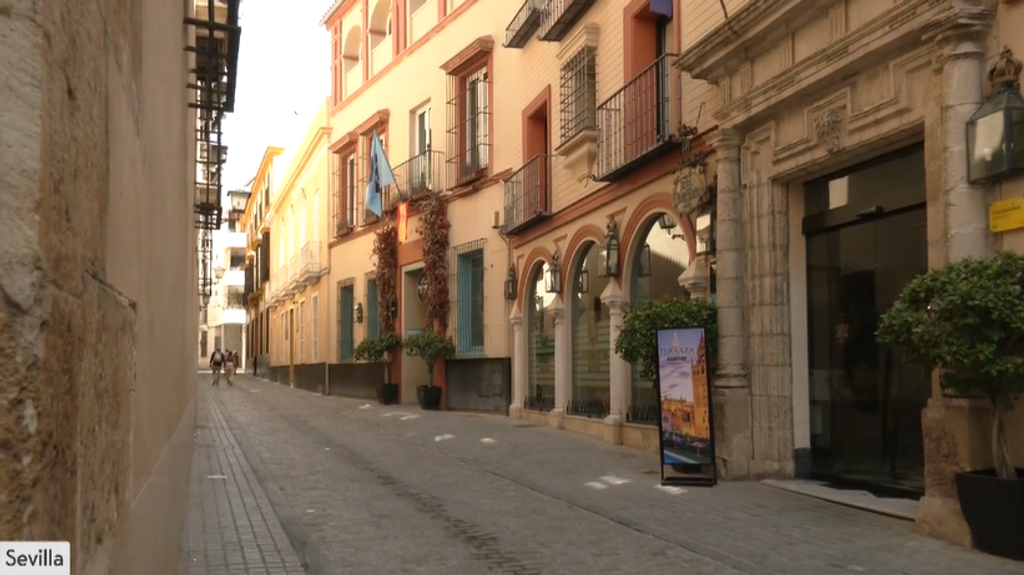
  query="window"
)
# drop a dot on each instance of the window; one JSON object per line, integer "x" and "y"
{"x": 469, "y": 302}
{"x": 314, "y": 354}
{"x": 372, "y": 309}
{"x": 237, "y": 258}
{"x": 422, "y": 135}
{"x": 579, "y": 93}
{"x": 345, "y": 323}
{"x": 468, "y": 126}
{"x": 350, "y": 190}
{"x": 302, "y": 332}
{"x": 316, "y": 215}
{"x": 234, "y": 297}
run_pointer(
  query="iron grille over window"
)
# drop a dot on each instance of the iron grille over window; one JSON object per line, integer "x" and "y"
{"x": 468, "y": 127}
{"x": 579, "y": 93}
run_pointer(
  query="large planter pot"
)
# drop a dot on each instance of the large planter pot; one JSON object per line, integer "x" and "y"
{"x": 429, "y": 397}
{"x": 994, "y": 511}
{"x": 387, "y": 393}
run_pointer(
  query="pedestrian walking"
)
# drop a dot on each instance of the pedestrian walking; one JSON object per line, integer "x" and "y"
{"x": 229, "y": 366}
{"x": 254, "y": 366}
{"x": 216, "y": 364}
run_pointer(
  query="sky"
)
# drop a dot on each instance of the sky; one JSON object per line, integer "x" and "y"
{"x": 284, "y": 74}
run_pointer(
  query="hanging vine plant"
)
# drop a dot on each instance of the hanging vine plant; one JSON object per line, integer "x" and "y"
{"x": 385, "y": 255}
{"x": 434, "y": 226}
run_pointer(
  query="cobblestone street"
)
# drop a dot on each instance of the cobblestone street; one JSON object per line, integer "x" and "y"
{"x": 364, "y": 489}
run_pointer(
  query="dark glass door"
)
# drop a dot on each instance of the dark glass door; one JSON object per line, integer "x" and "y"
{"x": 865, "y": 401}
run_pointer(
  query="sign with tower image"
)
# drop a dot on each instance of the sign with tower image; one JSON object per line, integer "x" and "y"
{"x": 684, "y": 388}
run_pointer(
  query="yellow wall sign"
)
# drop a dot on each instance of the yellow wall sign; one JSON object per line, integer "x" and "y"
{"x": 1006, "y": 215}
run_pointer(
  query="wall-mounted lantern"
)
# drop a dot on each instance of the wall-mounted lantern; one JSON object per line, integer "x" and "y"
{"x": 219, "y": 270}
{"x": 705, "y": 229}
{"x": 583, "y": 281}
{"x": 553, "y": 281}
{"x": 359, "y": 312}
{"x": 511, "y": 284}
{"x": 643, "y": 260}
{"x": 995, "y": 133}
{"x": 667, "y": 223}
{"x": 608, "y": 266}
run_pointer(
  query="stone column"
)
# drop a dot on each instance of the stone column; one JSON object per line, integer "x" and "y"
{"x": 732, "y": 353}
{"x": 612, "y": 297}
{"x": 519, "y": 363}
{"x": 563, "y": 390}
{"x": 950, "y": 425}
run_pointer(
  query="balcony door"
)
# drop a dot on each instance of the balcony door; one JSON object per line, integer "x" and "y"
{"x": 646, "y": 93}
{"x": 422, "y": 169}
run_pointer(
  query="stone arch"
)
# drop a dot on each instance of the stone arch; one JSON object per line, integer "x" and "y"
{"x": 661, "y": 202}
{"x": 379, "y": 22}
{"x": 538, "y": 256}
{"x": 587, "y": 233}
{"x": 352, "y": 47}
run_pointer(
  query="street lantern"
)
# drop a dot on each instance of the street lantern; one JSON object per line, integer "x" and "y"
{"x": 583, "y": 281}
{"x": 238, "y": 199}
{"x": 667, "y": 223}
{"x": 553, "y": 279}
{"x": 219, "y": 270}
{"x": 358, "y": 312}
{"x": 644, "y": 261}
{"x": 995, "y": 133}
{"x": 511, "y": 284}
{"x": 705, "y": 230}
{"x": 608, "y": 265}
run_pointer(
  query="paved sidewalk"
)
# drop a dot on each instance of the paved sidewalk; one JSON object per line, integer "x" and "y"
{"x": 560, "y": 502}
{"x": 231, "y": 528}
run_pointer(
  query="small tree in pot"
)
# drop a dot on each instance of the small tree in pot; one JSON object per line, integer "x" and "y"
{"x": 966, "y": 319}
{"x": 431, "y": 347}
{"x": 378, "y": 350}
{"x": 637, "y": 342}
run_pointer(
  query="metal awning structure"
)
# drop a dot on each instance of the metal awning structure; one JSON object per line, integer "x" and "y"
{"x": 215, "y": 35}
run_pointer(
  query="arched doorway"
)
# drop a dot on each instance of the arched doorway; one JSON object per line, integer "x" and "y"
{"x": 540, "y": 333}
{"x": 591, "y": 333}
{"x": 659, "y": 255}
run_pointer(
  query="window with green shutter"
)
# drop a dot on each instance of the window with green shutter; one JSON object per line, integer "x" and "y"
{"x": 346, "y": 297}
{"x": 469, "y": 303}
{"x": 372, "y": 309}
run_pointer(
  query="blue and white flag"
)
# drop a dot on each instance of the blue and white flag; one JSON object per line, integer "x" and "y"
{"x": 381, "y": 175}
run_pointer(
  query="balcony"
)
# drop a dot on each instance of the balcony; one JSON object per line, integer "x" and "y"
{"x": 528, "y": 194}
{"x": 415, "y": 178}
{"x": 380, "y": 55}
{"x": 310, "y": 267}
{"x": 639, "y": 122}
{"x": 560, "y": 16}
{"x": 525, "y": 23}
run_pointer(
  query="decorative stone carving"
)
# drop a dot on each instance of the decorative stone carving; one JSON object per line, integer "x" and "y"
{"x": 828, "y": 127}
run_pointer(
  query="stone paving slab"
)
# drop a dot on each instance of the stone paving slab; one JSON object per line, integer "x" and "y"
{"x": 232, "y": 528}
{"x": 455, "y": 489}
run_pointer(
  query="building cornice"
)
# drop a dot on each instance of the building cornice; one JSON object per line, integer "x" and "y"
{"x": 339, "y": 7}
{"x": 475, "y": 51}
{"x": 755, "y": 27}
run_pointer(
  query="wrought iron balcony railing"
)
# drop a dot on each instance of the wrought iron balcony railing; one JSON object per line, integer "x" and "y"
{"x": 311, "y": 269}
{"x": 560, "y": 16}
{"x": 528, "y": 194}
{"x": 415, "y": 177}
{"x": 640, "y": 121}
{"x": 525, "y": 23}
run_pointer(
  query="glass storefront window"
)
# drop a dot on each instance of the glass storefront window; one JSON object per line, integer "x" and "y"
{"x": 541, "y": 343}
{"x": 654, "y": 276}
{"x": 591, "y": 334}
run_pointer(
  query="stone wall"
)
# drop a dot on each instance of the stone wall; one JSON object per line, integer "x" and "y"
{"x": 96, "y": 279}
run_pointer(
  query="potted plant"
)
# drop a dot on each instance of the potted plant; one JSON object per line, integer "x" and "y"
{"x": 966, "y": 320}
{"x": 377, "y": 350}
{"x": 431, "y": 347}
{"x": 637, "y": 342}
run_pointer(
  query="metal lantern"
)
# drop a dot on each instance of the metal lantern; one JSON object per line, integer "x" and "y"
{"x": 995, "y": 133}
{"x": 239, "y": 199}
{"x": 608, "y": 266}
{"x": 583, "y": 281}
{"x": 643, "y": 261}
{"x": 553, "y": 279}
{"x": 358, "y": 312}
{"x": 705, "y": 230}
{"x": 667, "y": 223}
{"x": 219, "y": 270}
{"x": 511, "y": 284}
